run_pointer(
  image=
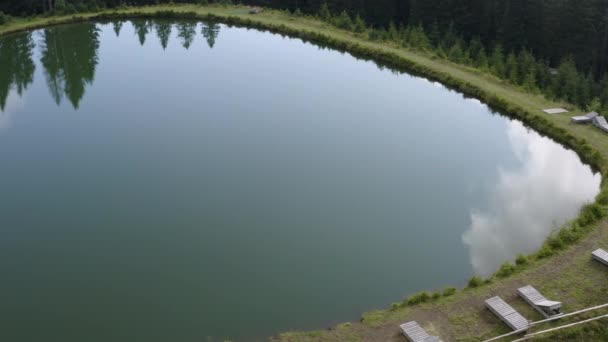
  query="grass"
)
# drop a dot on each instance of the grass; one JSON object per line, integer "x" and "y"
{"x": 561, "y": 269}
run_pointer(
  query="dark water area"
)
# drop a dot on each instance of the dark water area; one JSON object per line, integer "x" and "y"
{"x": 187, "y": 181}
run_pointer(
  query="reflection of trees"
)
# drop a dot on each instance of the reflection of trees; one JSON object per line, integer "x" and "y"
{"x": 186, "y": 31}
{"x": 117, "y": 25}
{"x": 16, "y": 64}
{"x": 163, "y": 31}
{"x": 69, "y": 57}
{"x": 210, "y": 32}
{"x": 142, "y": 28}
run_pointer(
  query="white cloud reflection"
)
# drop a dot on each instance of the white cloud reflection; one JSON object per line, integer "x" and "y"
{"x": 529, "y": 201}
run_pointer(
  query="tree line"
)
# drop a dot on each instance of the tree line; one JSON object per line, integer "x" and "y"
{"x": 557, "y": 47}
{"x": 550, "y": 29}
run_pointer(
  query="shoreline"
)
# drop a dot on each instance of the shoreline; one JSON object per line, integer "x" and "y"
{"x": 587, "y": 142}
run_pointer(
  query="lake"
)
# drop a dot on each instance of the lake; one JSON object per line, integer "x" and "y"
{"x": 188, "y": 181}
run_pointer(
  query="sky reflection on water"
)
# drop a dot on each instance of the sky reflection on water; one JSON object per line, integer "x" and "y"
{"x": 528, "y": 201}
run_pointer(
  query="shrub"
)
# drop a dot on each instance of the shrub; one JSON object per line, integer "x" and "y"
{"x": 4, "y": 18}
{"x": 475, "y": 281}
{"x": 521, "y": 260}
{"x": 418, "y": 298}
{"x": 505, "y": 270}
{"x": 449, "y": 291}
{"x": 545, "y": 252}
{"x": 396, "y": 306}
{"x": 436, "y": 295}
{"x": 591, "y": 213}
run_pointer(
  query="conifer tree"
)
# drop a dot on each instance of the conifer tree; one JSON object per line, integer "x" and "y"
{"x": 359, "y": 24}
{"x": 497, "y": 61}
{"x": 324, "y": 12}
{"x": 512, "y": 71}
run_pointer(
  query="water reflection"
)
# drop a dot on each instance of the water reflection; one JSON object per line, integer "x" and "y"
{"x": 141, "y": 29}
{"x": 16, "y": 65}
{"x": 518, "y": 217}
{"x": 163, "y": 31}
{"x": 117, "y": 26}
{"x": 13, "y": 103}
{"x": 69, "y": 57}
{"x": 186, "y": 32}
{"x": 210, "y": 32}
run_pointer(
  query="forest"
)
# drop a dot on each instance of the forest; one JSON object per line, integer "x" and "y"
{"x": 558, "y": 47}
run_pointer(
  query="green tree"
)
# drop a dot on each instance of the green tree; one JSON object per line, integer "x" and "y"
{"x": 359, "y": 24}
{"x": 481, "y": 59}
{"x": 393, "y": 33}
{"x": 566, "y": 84}
{"x": 512, "y": 70}
{"x": 456, "y": 54}
{"x": 435, "y": 34}
{"x": 60, "y": 6}
{"x": 324, "y": 12}
{"x": 497, "y": 61}
{"x": 529, "y": 81}
{"x": 4, "y": 18}
{"x": 419, "y": 39}
{"x": 343, "y": 21}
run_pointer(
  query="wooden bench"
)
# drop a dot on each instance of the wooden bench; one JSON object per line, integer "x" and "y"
{"x": 506, "y": 313}
{"x": 415, "y": 333}
{"x": 545, "y": 307}
{"x": 601, "y": 256}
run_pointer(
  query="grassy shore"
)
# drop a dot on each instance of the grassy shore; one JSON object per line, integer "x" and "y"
{"x": 562, "y": 269}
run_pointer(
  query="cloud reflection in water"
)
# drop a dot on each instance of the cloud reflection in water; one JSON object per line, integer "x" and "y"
{"x": 547, "y": 188}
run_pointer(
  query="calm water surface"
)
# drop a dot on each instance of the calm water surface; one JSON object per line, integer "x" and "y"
{"x": 194, "y": 182}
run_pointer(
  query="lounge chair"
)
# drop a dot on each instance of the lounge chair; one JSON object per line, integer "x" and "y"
{"x": 587, "y": 118}
{"x": 507, "y": 314}
{"x": 555, "y": 110}
{"x": 414, "y": 333}
{"x": 546, "y": 307}
{"x": 601, "y": 256}
{"x": 600, "y": 122}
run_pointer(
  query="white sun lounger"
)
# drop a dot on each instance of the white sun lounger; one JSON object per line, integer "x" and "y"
{"x": 587, "y": 118}
{"x": 507, "y": 314}
{"x": 601, "y": 256}
{"x": 545, "y": 307}
{"x": 414, "y": 333}
{"x": 600, "y": 122}
{"x": 555, "y": 110}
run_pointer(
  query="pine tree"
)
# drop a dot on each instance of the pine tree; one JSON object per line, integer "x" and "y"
{"x": 456, "y": 53}
{"x": 595, "y": 105}
{"x": 359, "y": 25}
{"x": 529, "y": 81}
{"x": 566, "y": 84}
{"x": 344, "y": 22}
{"x": 419, "y": 39}
{"x": 497, "y": 61}
{"x": 324, "y": 12}
{"x": 512, "y": 71}
{"x": 481, "y": 60}
{"x": 435, "y": 34}
{"x": 393, "y": 33}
